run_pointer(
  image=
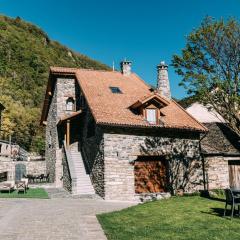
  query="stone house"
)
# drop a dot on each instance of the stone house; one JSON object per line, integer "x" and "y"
{"x": 220, "y": 149}
{"x": 109, "y": 133}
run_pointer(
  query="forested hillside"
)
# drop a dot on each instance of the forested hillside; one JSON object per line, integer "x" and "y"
{"x": 26, "y": 52}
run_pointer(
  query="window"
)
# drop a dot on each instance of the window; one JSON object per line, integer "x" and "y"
{"x": 115, "y": 90}
{"x": 151, "y": 116}
{"x": 70, "y": 104}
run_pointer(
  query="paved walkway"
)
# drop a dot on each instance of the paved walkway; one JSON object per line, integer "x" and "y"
{"x": 51, "y": 219}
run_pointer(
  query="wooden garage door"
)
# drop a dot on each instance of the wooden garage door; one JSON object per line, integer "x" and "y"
{"x": 150, "y": 175}
{"x": 234, "y": 174}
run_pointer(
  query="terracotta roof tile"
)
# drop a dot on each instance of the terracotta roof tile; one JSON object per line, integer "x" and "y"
{"x": 114, "y": 109}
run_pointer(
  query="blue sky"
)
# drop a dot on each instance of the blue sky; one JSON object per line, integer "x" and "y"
{"x": 145, "y": 32}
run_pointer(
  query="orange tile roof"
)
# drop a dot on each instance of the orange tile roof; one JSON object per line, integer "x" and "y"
{"x": 153, "y": 95}
{"x": 114, "y": 109}
{"x": 70, "y": 116}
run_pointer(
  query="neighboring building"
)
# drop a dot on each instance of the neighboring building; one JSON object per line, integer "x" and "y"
{"x": 15, "y": 161}
{"x": 109, "y": 133}
{"x": 220, "y": 149}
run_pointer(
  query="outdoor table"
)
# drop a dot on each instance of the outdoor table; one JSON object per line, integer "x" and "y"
{"x": 236, "y": 191}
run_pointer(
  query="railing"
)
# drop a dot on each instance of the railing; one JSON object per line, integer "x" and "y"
{"x": 86, "y": 163}
{"x": 69, "y": 173}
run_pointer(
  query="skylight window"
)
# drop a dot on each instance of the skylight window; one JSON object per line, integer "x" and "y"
{"x": 115, "y": 90}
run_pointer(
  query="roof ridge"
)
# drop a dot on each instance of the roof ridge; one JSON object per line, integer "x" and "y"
{"x": 96, "y": 70}
{"x": 68, "y": 69}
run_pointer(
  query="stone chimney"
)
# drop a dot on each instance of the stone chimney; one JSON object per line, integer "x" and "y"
{"x": 126, "y": 67}
{"x": 163, "y": 86}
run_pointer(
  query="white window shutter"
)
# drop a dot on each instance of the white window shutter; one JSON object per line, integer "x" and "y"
{"x": 151, "y": 116}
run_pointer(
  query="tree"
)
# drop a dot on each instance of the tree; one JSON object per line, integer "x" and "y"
{"x": 210, "y": 67}
{"x": 26, "y": 53}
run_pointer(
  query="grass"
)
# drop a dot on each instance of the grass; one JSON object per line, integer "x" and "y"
{"x": 31, "y": 193}
{"x": 178, "y": 218}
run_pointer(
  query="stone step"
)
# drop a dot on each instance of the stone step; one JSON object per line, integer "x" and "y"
{"x": 83, "y": 181}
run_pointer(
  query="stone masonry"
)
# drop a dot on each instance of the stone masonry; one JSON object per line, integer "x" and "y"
{"x": 109, "y": 152}
{"x": 64, "y": 89}
{"x": 163, "y": 85}
{"x": 120, "y": 151}
{"x": 32, "y": 167}
{"x": 217, "y": 174}
{"x": 93, "y": 153}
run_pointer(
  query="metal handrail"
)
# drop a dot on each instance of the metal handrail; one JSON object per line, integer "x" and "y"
{"x": 69, "y": 161}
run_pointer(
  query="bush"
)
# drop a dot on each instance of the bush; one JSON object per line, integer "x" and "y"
{"x": 3, "y": 26}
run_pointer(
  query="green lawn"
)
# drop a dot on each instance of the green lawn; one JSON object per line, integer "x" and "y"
{"x": 176, "y": 218}
{"x": 31, "y": 193}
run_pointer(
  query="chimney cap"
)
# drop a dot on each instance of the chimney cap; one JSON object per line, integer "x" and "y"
{"x": 125, "y": 61}
{"x": 162, "y": 64}
{"x": 126, "y": 67}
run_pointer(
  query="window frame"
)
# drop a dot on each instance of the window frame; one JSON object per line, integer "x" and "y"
{"x": 115, "y": 90}
{"x": 70, "y": 100}
{"x": 156, "y": 115}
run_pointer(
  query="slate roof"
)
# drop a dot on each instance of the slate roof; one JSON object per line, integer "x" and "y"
{"x": 114, "y": 109}
{"x": 220, "y": 140}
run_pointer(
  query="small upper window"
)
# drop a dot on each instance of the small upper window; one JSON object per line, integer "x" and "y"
{"x": 115, "y": 89}
{"x": 151, "y": 116}
{"x": 70, "y": 104}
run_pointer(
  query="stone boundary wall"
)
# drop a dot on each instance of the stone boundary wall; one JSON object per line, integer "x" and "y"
{"x": 32, "y": 167}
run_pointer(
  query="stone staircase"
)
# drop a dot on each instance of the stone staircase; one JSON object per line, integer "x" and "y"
{"x": 83, "y": 184}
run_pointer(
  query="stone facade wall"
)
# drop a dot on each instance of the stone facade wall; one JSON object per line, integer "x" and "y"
{"x": 120, "y": 151}
{"x": 51, "y": 138}
{"x": 216, "y": 171}
{"x": 64, "y": 89}
{"x": 32, "y": 167}
{"x": 67, "y": 181}
{"x": 92, "y": 149}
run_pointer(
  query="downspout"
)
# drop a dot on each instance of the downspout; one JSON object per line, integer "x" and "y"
{"x": 203, "y": 161}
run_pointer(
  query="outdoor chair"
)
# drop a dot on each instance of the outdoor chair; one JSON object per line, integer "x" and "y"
{"x": 31, "y": 178}
{"x": 232, "y": 201}
{"x": 21, "y": 187}
{"x": 40, "y": 177}
{"x": 46, "y": 177}
{"x": 7, "y": 186}
{"x": 25, "y": 180}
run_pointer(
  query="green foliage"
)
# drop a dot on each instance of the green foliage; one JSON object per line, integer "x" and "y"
{"x": 210, "y": 67}
{"x": 217, "y": 193}
{"x": 181, "y": 218}
{"x": 26, "y": 53}
{"x": 39, "y": 193}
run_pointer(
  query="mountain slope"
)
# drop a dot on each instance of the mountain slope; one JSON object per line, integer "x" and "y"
{"x": 26, "y": 52}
